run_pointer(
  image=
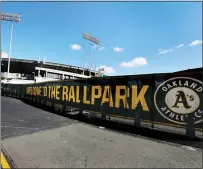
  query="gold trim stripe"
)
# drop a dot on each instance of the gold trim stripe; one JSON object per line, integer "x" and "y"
{"x": 146, "y": 121}
{"x": 4, "y": 162}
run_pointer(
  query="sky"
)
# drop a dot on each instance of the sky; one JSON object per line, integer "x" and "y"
{"x": 136, "y": 37}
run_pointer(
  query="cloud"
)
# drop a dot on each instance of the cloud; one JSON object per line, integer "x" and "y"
{"x": 102, "y": 48}
{"x": 107, "y": 70}
{"x": 4, "y": 54}
{"x": 76, "y": 47}
{"x": 136, "y": 62}
{"x": 117, "y": 49}
{"x": 98, "y": 48}
{"x": 179, "y": 46}
{"x": 195, "y": 43}
{"x": 165, "y": 51}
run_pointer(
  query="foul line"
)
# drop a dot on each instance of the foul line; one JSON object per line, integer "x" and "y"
{"x": 4, "y": 163}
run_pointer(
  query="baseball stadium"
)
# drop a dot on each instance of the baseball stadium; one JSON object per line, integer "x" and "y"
{"x": 29, "y": 71}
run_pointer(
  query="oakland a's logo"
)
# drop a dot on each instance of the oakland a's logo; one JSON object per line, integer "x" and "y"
{"x": 177, "y": 97}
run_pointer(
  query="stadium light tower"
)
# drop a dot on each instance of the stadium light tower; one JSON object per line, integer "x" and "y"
{"x": 11, "y": 18}
{"x": 90, "y": 39}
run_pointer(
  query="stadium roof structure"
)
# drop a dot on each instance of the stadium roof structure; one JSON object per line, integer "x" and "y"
{"x": 20, "y": 65}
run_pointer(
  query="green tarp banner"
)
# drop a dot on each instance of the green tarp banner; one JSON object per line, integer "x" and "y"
{"x": 166, "y": 99}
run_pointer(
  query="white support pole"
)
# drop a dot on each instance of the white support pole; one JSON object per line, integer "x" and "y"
{"x": 90, "y": 57}
{"x": 95, "y": 58}
{"x": 38, "y": 65}
{"x": 38, "y": 73}
{"x": 9, "y": 55}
